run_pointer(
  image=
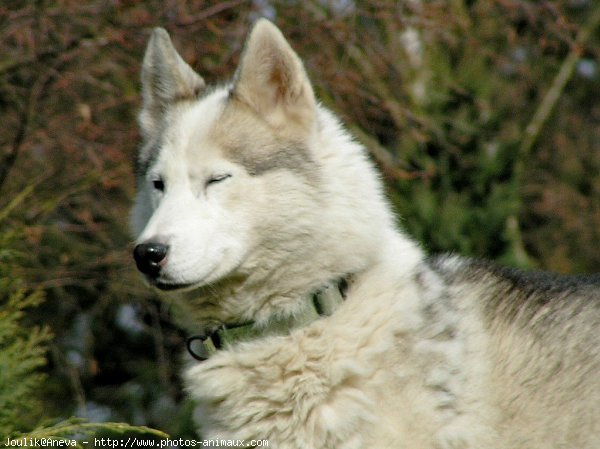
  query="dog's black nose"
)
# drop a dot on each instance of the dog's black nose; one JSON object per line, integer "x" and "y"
{"x": 149, "y": 257}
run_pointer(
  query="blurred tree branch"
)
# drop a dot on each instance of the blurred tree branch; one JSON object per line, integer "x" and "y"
{"x": 9, "y": 159}
{"x": 210, "y": 11}
{"x": 533, "y": 129}
{"x": 87, "y": 41}
{"x": 46, "y": 75}
{"x": 549, "y": 101}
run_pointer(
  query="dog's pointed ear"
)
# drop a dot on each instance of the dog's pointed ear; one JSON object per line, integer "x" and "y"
{"x": 166, "y": 78}
{"x": 271, "y": 79}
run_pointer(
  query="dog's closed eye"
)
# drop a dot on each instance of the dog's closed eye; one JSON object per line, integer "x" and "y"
{"x": 217, "y": 178}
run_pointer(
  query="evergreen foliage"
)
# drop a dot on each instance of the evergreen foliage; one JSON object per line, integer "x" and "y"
{"x": 22, "y": 353}
{"x": 81, "y": 434}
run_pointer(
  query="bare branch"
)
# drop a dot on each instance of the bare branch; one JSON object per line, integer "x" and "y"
{"x": 208, "y": 12}
{"x": 533, "y": 129}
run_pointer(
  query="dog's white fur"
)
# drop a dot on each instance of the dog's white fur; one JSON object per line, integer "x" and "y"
{"x": 423, "y": 353}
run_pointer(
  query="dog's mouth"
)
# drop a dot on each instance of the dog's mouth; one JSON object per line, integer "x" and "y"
{"x": 165, "y": 286}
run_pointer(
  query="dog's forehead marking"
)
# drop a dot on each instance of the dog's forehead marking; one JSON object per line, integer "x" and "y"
{"x": 218, "y": 126}
{"x": 182, "y": 121}
{"x": 248, "y": 140}
{"x": 184, "y": 148}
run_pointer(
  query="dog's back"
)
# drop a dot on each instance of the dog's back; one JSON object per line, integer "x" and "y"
{"x": 544, "y": 350}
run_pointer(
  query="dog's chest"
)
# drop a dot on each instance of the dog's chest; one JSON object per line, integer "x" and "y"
{"x": 364, "y": 384}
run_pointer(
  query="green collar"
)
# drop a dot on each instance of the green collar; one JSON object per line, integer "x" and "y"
{"x": 324, "y": 302}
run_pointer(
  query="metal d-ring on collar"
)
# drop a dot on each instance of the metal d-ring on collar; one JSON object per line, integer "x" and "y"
{"x": 324, "y": 302}
{"x": 202, "y": 355}
{"x": 194, "y": 354}
{"x": 212, "y": 342}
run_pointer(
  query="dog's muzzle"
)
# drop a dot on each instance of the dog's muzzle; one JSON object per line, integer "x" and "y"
{"x": 150, "y": 257}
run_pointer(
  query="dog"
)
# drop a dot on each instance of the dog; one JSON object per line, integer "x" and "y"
{"x": 321, "y": 324}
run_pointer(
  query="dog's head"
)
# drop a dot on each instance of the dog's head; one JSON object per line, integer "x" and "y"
{"x": 248, "y": 193}
{"x": 216, "y": 162}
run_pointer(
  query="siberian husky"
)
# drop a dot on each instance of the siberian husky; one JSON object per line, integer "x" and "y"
{"x": 321, "y": 324}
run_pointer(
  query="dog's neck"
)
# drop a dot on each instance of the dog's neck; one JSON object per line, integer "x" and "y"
{"x": 284, "y": 292}
{"x": 322, "y": 303}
